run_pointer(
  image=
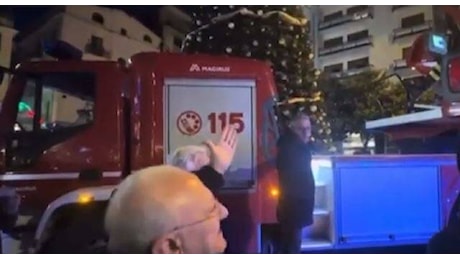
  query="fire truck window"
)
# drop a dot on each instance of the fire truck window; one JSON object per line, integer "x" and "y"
{"x": 67, "y": 100}
{"x": 25, "y": 108}
{"x": 454, "y": 74}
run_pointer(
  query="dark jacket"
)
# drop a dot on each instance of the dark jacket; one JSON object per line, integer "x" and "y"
{"x": 213, "y": 180}
{"x": 297, "y": 185}
{"x": 446, "y": 241}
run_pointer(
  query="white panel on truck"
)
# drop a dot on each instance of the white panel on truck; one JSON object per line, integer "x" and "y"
{"x": 198, "y": 110}
{"x": 382, "y": 205}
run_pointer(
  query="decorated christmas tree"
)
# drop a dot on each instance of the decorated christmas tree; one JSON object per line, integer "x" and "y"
{"x": 278, "y": 35}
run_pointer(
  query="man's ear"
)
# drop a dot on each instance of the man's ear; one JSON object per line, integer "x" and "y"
{"x": 167, "y": 245}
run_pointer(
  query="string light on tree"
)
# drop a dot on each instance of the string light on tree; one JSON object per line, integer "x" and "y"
{"x": 276, "y": 34}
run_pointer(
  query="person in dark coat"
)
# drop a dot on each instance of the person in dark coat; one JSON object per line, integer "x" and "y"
{"x": 297, "y": 185}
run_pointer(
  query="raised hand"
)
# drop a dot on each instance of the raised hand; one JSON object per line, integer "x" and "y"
{"x": 223, "y": 152}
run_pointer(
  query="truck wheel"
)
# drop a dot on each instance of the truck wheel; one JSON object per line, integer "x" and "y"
{"x": 85, "y": 234}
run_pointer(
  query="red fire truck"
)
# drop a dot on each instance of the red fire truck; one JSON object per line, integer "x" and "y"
{"x": 91, "y": 123}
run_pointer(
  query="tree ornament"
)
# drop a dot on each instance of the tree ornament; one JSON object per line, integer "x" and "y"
{"x": 282, "y": 41}
{"x": 231, "y": 25}
{"x": 255, "y": 43}
{"x": 228, "y": 50}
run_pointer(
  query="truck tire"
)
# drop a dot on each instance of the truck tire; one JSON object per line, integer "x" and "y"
{"x": 84, "y": 234}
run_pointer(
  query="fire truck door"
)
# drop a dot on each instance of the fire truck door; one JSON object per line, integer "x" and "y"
{"x": 197, "y": 110}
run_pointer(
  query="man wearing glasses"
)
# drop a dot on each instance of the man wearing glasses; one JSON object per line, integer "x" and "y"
{"x": 164, "y": 210}
{"x": 297, "y": 185}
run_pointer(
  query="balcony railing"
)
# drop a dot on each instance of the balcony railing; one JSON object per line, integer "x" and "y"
{"x": 346, "y": 46}
{"x": 347, "y": 18}
{"x": 402, "y": 32}
{"x": 97, "y": 50}
{"x": 350, "y": 72}
{"x": 396, "y": 7}
{"x": 400, "y": 67}
{"x": 399, "y": 64}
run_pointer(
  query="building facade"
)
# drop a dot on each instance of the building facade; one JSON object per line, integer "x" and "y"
{"x": 7, "y": 33}
{"x": 350, "y": 39}
{"x": 175, "y": 24}
{"x": 100, "y": 33}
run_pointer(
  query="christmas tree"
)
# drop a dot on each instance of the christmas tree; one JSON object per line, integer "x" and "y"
{"x": 275, "y": 34}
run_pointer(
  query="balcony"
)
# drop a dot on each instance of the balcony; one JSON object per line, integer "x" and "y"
{"x": 400, "y": 67}
{"x": 347, "y": 19}
{"x": 396, "y": 7}
{"x": 346, "y": 46}
{"x": 350, "y": 72}
{"x": 97, "y": 50}
{"x": 403, "y": 32}
{"x": 399, "y": 64}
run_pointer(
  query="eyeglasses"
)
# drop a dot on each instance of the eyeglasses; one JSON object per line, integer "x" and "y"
{"x": 214, "y": 212}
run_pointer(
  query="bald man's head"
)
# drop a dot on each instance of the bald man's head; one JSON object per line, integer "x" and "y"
{"x": 152, "y": 203}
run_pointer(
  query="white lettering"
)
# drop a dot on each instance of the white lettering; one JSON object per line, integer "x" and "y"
{"x": 194, "y": 67}
{"x": 197, "y": 68}
{"x": 26, "y": 188}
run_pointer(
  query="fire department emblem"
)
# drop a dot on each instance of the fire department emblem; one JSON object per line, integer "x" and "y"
{"x": 189, "y": 123}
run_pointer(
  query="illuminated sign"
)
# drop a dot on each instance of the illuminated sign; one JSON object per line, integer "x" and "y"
{"x": 437, "y": 43}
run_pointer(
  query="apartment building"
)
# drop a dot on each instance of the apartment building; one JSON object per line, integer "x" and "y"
{"x": 352, "y": 39}
{"x": 7, "y": 33}
{"x": 101, "y": 33}
{"x": 175, "y": 24}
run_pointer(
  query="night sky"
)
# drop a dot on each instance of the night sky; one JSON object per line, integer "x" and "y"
{"x": 25, "y": 15}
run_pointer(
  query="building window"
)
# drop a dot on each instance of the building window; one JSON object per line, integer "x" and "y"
{"x": 95, "y": 46}
{"x": 147, "y": 39}
{"x": 333, "y": 42}
{"x": 177, "y": 42}
{"x": 413, "y": 20}
{"x": 333, "y": 16}
{"x": 405, "y": 52}
{"x": 97, "y": 42}
{"x": 334, "y": 68}
{"x": 357, "y": 9}
{"x": 123, "y": 32}
{"x": 358, "y": 63}
{"x": 98, "y": 18}
{"x": 358, "y": 36}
